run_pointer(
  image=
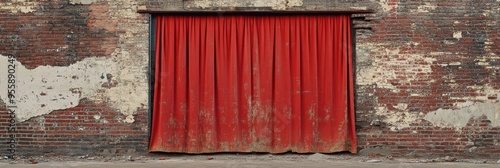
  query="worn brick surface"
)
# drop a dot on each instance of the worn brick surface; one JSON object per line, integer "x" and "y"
{"x": 427, "y": 72}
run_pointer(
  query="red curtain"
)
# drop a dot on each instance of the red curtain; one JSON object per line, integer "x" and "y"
{"x": 251, "y": 83}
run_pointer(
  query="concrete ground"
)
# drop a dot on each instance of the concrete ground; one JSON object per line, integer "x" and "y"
{"x": 236, "y": 160}
{"x": 243, "y": 164}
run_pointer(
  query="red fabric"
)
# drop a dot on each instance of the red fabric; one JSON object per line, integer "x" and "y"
{"x": 253, "y": 84}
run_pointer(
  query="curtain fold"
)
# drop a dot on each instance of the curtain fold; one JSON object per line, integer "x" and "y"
{"x": 245, "y": 83}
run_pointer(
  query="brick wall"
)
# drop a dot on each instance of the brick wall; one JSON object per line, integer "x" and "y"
{"x": 427, "y": 73}
{"x": 428, "y": 79}
{"x": 74, "y": 64}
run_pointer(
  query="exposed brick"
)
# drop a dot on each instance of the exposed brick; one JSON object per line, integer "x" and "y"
{"x": 413, "y": 58}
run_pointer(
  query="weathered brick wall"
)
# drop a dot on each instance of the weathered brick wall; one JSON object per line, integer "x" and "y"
{"x": 81, "y": 74}
{"x": 427, "y": 73}
{"x": 428, "y": 79}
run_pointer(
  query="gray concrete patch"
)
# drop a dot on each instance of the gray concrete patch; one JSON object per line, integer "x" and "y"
{"x": 376, "y": 151}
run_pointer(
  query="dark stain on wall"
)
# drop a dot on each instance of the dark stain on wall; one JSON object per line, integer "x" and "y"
{"x": 56, "y": 34}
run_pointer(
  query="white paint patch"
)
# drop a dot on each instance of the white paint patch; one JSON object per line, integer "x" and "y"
{"x": 44, "y": 89}
{"x": 83, "y": 2}
{"x": 16, "y": 6}
{"x": 292, "y": 3}
{"x": 386, "y": 6}
{"x": 274, "y": 4}
{"x": 359, "y": 8}
{"x": 384, "y": 68}
{"x": 397, "y": 120}
{"x": 460, "y": 117}
{"x": 41, "y": 123}
{"x": 427, "y": 7}
{"x": 59, "y": 90}
{"x": 401, "y": 106}
{"x": 129, "y": 119}
{"x": 457, "y": 35}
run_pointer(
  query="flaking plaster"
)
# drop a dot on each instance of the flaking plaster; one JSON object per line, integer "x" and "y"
{"x": 16, "y": 6}
{"x": 83, "y": 2}
{"x": 458, "y": 118}
{"x": 274, "y": 4}
{"x": 44, "y": 89}
{"x": 118, "y": 80}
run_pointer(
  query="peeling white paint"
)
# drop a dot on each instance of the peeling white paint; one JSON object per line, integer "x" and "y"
{"x": 388, "y": 65}
{"x": 440, "y": 53}
{"x": 457, "y": 35}
{"x": 83, "y": 2}
{"x": 458, "y": 118}
{"x": 401, "y": 106}
{"x": 41, "y": 123}
{"x": 359, "y": 8}
{"x": 397, "y": 120}
{"x": 384, "y": 68}
{"x": 412, "y": 43}
{"x": 448, "y": 118}
{"x": 16, "y": 6}
{"x": 386, "y": 6}
{"x": 294, "y": 3}
{"x": 131, "y": 61}
{"x": 44, "y": 89}
{"x": 427, "y": 7}
{"x": 274, "y": 4}
{"x": 129, "y": 119}
{"x": 393, "y": 64}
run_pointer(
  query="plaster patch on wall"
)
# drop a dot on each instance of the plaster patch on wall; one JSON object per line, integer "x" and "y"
{"x": 401, "y": 106}
{"x": 410, "y": 67}
{"x": 295, "y": 2}
{"x": 397, "y": 120}
{"x": 41, "y": 123}
{"x": 131, "y": 56}
{"x": 388, "y": 5}
{"x": 274, "y": 4}
{"x": 458, "y": 118}
{"x": 44, "y": 89}
{"x": 427, "y": 7}
{"x": 218, "y": 3}
{"x": 83, "y": 2}
{"x": 132, "y": 82}
{"x": 363, "y": 54}
{"x": 129, "y": 119}
{"x": 16, "y": 6}
{"x": 457, "y": 35}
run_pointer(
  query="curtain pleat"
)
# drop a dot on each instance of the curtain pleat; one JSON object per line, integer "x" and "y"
{"x": 244, "y": 83}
